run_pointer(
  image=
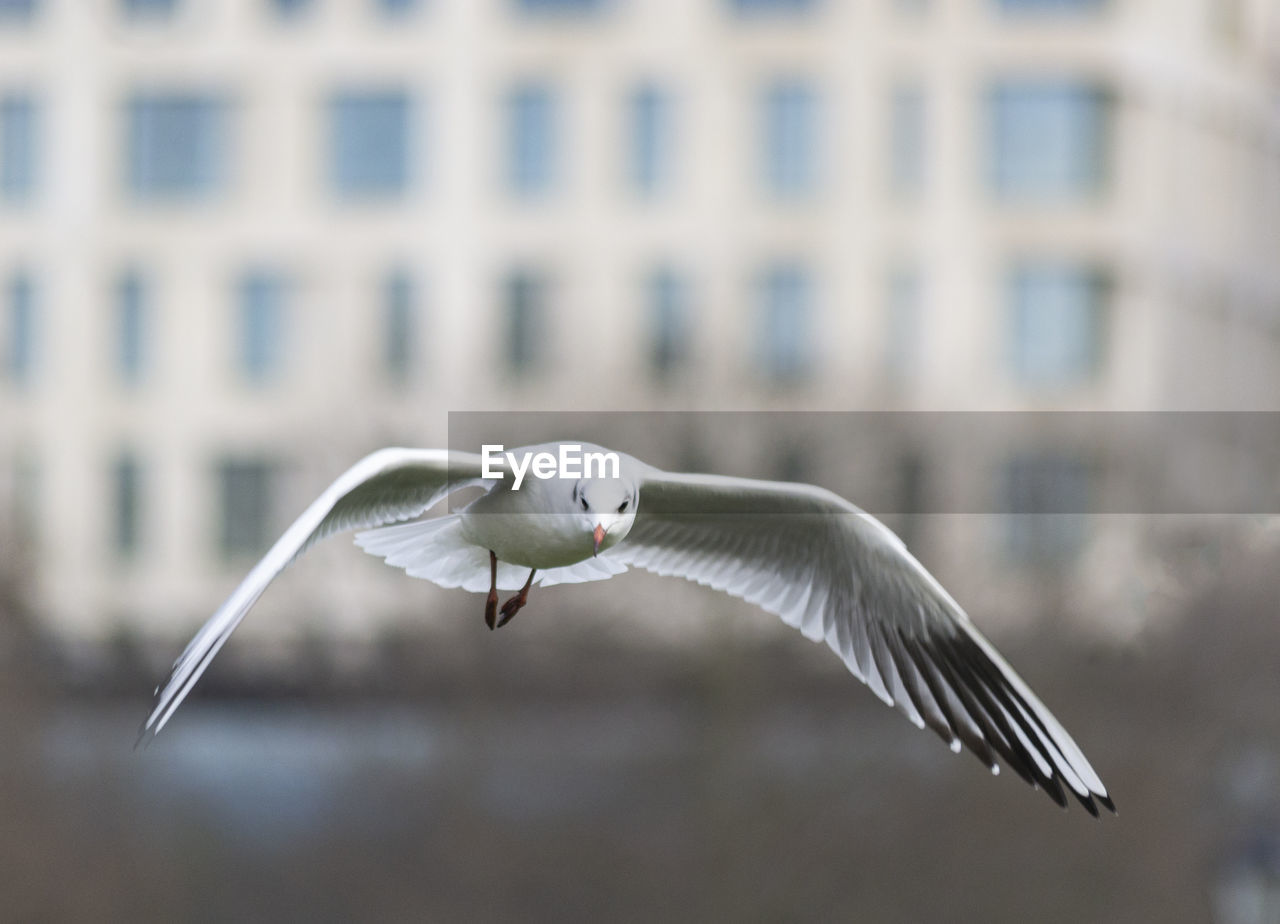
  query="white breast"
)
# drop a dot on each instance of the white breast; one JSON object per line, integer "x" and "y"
{"x": 511, "y": 524}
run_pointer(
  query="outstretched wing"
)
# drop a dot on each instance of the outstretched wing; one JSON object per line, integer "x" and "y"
{"x": 387, "y": 486}
{"x": 837, "y": 574}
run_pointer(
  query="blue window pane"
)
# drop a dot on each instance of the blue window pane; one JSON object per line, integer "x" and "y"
{"x": 750, "y": 8}
{"x": 396, "y": 8}
{"x": 148, "y": 9}
{"x": 20, "y": 350}
{"x": 246, "y": 490}
{"x": 912, "y": 7}
{"x": 531, "y": 137}
{"x": 790, "y": 138}
{"x": 1057, "y": 315}
{"x": 907, "y": 138}
{"x": 560, "y": 7}
{"x": 291, "y": 9}
{"x": 1070, "y": 7}
{"x": 18, "y": 155}
{"x": 1049, "y": 497}
{"x": 262, "y": 325}
{"x": 369, "y": 143}
{"x": 177, "y": 145}
{"x": 668, "y": 298}
{"x": 22, "y": 513}
{"x": 17, "y": 12}
{"x": 1048, "y": 138}
{"x": 526, "y": 309}
{"x": 651, "y": 139}
{"x": 126, "y": 477}
{"x": 400, "y": 330}
{"x": 131, "y": 327}
{"x": 905, "y": 323}
{"x": 786, "y": 324}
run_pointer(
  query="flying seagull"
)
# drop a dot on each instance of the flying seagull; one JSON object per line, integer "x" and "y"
{"x": 799, "y": 551}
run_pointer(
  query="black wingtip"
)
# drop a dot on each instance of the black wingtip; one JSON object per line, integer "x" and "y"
{"x": 1106, "y": 803}
{"x": 1053, "y": 789}
{"x": 1087, "y": 802}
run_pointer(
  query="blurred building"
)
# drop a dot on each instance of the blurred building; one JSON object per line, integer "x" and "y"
{"x": 241, "y": 243}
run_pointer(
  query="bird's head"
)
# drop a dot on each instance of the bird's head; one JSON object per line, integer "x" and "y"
{"x": 606, "y": 508}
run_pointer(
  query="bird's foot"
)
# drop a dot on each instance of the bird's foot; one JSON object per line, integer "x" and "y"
{"x": 491, "y": 610}
{"x": 513, "y": 606}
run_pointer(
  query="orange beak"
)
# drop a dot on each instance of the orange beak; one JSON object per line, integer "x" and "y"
{"x": 598, "y": 535}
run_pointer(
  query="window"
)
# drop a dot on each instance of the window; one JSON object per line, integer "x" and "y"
{"x": 749, "y": 8}
{"x": 131, "y": 327}
{"x": 560, "y": 7}
{"x": 126, "y": 492}
{"x": 393, "y": 9}
{"x": 246, "y": 492}
{"x": 651, "y": 127}
{"x": 907, "y": 139}
{"x": 912, "y": 8}
{"x": 369, "y": 143}
{"x": 23, "y": 499}
{"x": 531, "y": 135}
{"x": 912, "y": 477}
{"x": 400, "y": 327}
{"x": 1048, "y": 496}
{"x": 1048, "y": 138}
{"x": 148, "y": 9}
{"x": 1051, "y": 7}
{"x": 790, "y": 138}
{"x": 526, "y": 308}
{"x": 262, "y": 297}
{"x": 20, "y": 350}
{"x": 177, "y": 145}
{"x": 1057, "y": 318}
{"x": 291, "y": 9}
{"x": 786, "y": 293}
{"x": 669, "y": 323}
{"x": 793, "y": 460}
{"x": 905, "y": 323}
{"x": 18, "y": 154}
{"x": 17, "y": 12}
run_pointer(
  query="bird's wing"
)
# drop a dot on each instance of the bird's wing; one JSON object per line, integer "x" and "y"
{"x": 839, "y": 575}
{"x": 387, "y": 486}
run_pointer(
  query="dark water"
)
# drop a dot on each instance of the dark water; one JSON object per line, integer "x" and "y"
{"x": 270, "y": 775}
{"x": 744, "y": 794}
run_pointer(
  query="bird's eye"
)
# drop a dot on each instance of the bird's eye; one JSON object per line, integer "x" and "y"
{"x": 585, "y": 505}
{"x": 624, "y": 505}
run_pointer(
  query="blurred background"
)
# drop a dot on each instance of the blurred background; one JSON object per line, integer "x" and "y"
{"x": 244, "y": 242}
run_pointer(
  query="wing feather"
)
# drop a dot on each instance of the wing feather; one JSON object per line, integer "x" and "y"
{"x": 838, "y": 575}
{"x": 384, "y": 487}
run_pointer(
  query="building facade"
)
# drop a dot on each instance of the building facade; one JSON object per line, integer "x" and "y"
{"x": 241, "y": 244}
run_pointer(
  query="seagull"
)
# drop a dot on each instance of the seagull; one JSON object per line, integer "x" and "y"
{"x": 798, "y": 551}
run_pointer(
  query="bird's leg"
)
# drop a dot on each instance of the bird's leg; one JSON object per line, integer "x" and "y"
{"x": 513, "y": 606}
{"x": 491, "y": 602}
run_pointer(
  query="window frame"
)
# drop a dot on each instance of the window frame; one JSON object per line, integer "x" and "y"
{"x": 532, "y": 116}
{"x": 1065, "y": 372}
{"x": 263, "y": 296}
{"x": 152, "y": 175}
{"x": 20, "y": 130}
{"x": 791, "y": 361}
{"x": 790, "y": 119}
{"x": 353, "y": 180}
{"x": 1011, "y": 157}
